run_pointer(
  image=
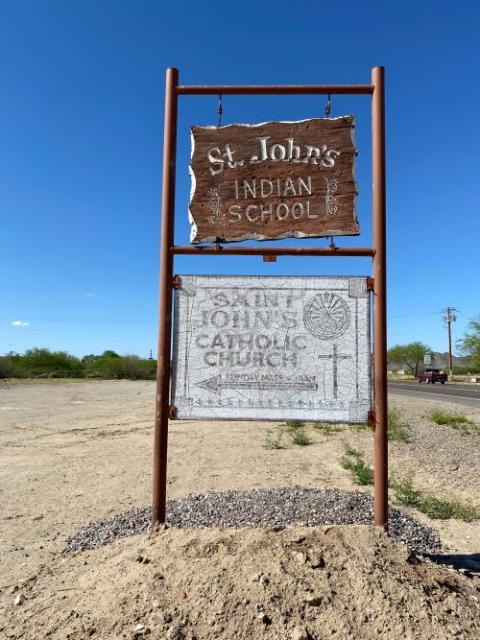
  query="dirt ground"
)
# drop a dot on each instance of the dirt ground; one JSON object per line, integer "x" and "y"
{"x": 76, "y": 452}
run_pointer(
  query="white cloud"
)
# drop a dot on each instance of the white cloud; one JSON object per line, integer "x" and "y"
{"x": 20, "y": 323}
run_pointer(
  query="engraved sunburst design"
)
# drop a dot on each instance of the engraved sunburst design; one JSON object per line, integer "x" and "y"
{"x": 326, "y": 316}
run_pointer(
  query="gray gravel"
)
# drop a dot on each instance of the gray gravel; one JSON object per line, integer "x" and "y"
{"x": 261, "y": 507}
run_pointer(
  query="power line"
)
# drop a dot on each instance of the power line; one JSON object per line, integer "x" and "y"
{"x": 449, "y": 316}
{"x": 414, "y": 315}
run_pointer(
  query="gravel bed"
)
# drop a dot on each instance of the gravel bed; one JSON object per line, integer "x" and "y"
{"x": 260, "y": 507}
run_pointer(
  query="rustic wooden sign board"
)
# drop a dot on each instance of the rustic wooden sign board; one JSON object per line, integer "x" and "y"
{"x": 273, "y": 180}
{"x": 271, "y": 348}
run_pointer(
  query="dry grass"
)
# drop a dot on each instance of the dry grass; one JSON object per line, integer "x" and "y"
{"x": 398, "y": 427}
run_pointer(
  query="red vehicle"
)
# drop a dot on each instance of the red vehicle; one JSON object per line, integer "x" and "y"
{"x": 430, "y": 376}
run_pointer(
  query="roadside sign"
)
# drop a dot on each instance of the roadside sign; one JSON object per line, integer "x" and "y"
{"x": 216, "y": 379}
{"x": 271, "y": 348}
{"x": 427, "y": 359}
{"x": 273, "y": 180}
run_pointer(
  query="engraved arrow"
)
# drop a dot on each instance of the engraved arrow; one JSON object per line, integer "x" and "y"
{"x": 216, "y": 384}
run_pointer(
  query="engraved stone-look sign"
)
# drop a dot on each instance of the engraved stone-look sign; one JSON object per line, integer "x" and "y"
{"x": 273, "y": 180}
{"x": 271, "y": 348}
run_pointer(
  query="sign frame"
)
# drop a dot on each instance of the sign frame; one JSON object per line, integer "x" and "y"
{"x": 164, "y": 411}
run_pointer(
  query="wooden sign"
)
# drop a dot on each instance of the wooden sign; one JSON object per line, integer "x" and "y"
{"x": 273, "y": 180}
{"x": 271, "y": 348}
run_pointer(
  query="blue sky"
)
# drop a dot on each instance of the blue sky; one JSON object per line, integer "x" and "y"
{"x": 81, "y": 117}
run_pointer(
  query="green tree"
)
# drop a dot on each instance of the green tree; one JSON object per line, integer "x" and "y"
{"x": 469, "y": 345}
{"x": 117, "y": 367}
{"x": 8, "y": 367}
{"x": 410, "y": 354}
{"x": 110, "y": 354}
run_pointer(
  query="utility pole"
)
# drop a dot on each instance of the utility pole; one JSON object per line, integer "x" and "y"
{"x": 449, "y": 316}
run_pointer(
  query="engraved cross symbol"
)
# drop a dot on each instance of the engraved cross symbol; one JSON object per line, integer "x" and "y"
{"x": 335, "y": 358}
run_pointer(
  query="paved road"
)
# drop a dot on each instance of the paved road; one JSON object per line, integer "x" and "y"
{"x": 465, "y": 394}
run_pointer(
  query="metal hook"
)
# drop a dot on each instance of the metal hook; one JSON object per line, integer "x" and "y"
{"x": 219, "y": 110}
{"x": 328, "y": 106}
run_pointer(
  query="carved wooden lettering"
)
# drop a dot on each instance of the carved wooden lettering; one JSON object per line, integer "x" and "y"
{"x": 273, "y": 180}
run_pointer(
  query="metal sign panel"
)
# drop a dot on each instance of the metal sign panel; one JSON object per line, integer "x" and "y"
{"x": 272, "y": 348}
{"x": 273, "y": 180}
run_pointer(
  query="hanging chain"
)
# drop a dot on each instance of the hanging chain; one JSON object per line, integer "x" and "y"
{"x": 328, "y": 111}
{"x": 218, "y": 241}
{"x": 219, "y": 110}
{"x": 328, "y": 106}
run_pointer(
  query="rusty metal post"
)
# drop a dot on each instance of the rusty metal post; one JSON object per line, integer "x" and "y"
{"x": 220, "y": 250}
{"x": 272, "y": 89}
{"x": 162, "y": 396}
{"x": 380, "y": 298}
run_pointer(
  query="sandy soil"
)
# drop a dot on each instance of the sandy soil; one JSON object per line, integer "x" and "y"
{"x": 76, "y": 452}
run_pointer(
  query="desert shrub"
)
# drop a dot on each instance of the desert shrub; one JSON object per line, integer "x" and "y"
{"x": 432, "y": 506}
{"x": 296, "y": 430}
{"x": 327, "y": 428}
{"x": 442, "y": 509}
{"x": 293, "y": 425}
{"x": 122, "y": 367}
{"x": 445, "y": 417}
{"x": 465, "y": 370}
{"x": 300, "y": 437}
{"x": 457, "y": 421}
{"x": 275, "y": 439}
{"x": 404, "y": 491}
{"x": 353, "y": 460}
{"x": 43, "y": 362}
